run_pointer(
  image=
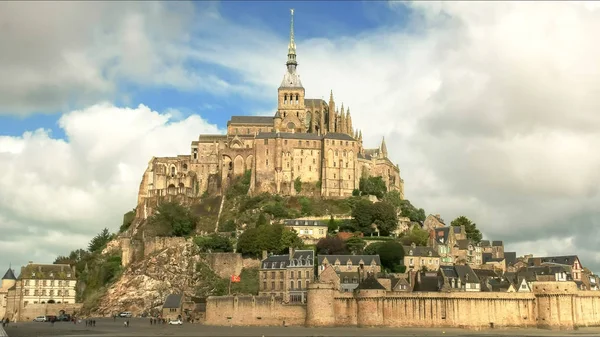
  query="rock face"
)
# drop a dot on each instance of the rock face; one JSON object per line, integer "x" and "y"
{"x": 145, "y": 284}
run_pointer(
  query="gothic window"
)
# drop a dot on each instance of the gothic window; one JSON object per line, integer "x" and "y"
{"x": 185, "y": 167}
{"x": 346, "y": 164}
{"x": 172, "y": 170}
{"x": 299, "y": 284}
{"x": 195, "y": 153}
{"x": 297, "y": 113}
{"x": 285, "y": 99}
{"x": 333, "y": 164}
{"x": 267, "y": 162}
{"x": 288, "y": 165}
{"x": 296, "y": 98}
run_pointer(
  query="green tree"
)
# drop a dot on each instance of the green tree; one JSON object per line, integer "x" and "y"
{"x": 276, "y": 239}
{"x": 411, "y": 212}
{"x": 417, "y": 236}
{"x": 393, "y": 197}
{"x": 214, "y": 243}
{"x": 306, "y": 206}
{"x": 262, "y": 220}
{"x": 332, "y": 245}
{"x": 391, "y": 254}
{"x": 372, "y": 186}
{"x": 473, "y": 233}
{"x": 99, "y": 241}
{"x": 298, "y": 185}
{"x": 385, "y": 217}
{"x": 356, "y": 245}
{"x": 175, "y": 218}
{"x": 332, "y": 225}
{"x": 362, "y": 215}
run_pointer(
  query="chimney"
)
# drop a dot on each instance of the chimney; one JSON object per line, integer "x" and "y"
{"x": 265, "y": 254}
{"x": 291, "y": 253}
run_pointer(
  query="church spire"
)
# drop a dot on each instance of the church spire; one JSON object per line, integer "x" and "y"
{"x": 383, "y": 148}
{"x": 291, "y": 61}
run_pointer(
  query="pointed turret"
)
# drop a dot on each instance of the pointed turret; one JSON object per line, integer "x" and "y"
{"x": 342, "y": 128}
{"x": 348, "y": 122}
{"x": 9, "y": 275}
{"x": 360, "y": 135}
{"x": 291, "y": 62}
{"x": 383, "y": 148}
{"x": 331, "y": 118}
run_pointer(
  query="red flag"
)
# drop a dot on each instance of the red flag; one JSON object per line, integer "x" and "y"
{"x": 235, "y": 278}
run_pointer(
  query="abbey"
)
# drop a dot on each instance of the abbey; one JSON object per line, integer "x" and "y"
{"x": 309, "y": 141}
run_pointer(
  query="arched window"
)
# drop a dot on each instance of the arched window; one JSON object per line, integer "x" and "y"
{"x": 291, "y": 285}
{"x": 285, "y": 100}
{"x": 172, "y": 170}
{"x": 299, "y": 284}
{"x": 185, "y": 167}
{"x": 296, "y": 98}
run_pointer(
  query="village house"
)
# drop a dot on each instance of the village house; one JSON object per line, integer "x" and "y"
{"x": 350, "y": 263}
{"x": 495, "y": 248}
{"x": 490, "y": 262}
{"x": 458, "y": 278}
{"x": 420, "y": 257}
{"x": 467, "y": 252}
{"x": 287, "y": 276}
{"x": 173, "y": 307}
{"x": 569, "y": 260}
{"x": 310, "y": 231}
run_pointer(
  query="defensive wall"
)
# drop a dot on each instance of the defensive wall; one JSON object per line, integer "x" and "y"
{"x": 552, "y": 305}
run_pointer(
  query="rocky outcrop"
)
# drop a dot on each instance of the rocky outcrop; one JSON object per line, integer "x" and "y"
{"x": 144, "y": 284}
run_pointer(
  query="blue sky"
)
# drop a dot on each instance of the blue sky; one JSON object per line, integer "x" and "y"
{"x": 483, "y": 105}
{"x": 314, "y": 19}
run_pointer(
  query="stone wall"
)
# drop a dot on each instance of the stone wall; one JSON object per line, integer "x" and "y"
{"x": 31, "y": 311}
{"x": 224, "y": 264}
{"x": 156, "y": 244}
{"x": 554, "y": 305}
{"x": 252, "y": 310}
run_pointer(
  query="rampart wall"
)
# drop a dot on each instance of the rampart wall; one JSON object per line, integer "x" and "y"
{"x": 253, "y": 310}
{"x": 553, "y": 305}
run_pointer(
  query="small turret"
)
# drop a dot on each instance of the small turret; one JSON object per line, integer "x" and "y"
{"x": 277, "y": 121}
{"x": 9, "y": 279}
{"x": 342, "y": 126}
{"x": 348, "y": 122}
{"x": 383, "y": 148}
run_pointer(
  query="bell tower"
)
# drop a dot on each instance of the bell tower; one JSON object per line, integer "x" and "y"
{"x": 290, "y": 100}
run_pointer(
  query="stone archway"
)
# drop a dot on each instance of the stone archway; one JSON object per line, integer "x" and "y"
{"x": 238, "y": 165}
{"x": 172, "y": 190}
{"x": 249, "y": 162}
{"x": 227, "y": 168}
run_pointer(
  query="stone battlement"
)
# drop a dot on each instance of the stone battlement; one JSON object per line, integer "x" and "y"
{"x": 554, "y": 305}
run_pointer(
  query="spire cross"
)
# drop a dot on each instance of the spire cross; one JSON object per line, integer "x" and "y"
{"x": 292, "y": 43}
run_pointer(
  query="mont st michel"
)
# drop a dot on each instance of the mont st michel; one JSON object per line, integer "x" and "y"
{"x": 294, "y": 222}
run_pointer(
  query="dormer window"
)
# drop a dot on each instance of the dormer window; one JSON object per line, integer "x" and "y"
{"x": 410, "y": 252}
{"x": 51, "y": 274}
{"x": 32, "y": 274}
{"x": 429, "y": 253}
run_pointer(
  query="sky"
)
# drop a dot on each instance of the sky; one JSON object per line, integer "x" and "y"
{"x": 489, "y": 108}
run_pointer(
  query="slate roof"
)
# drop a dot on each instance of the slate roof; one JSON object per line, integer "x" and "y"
{"x": 338, "y": 136}
{"x": 263, "y": 120}
{"x": 464, "y": 273}
{"x": 352, "y": 277}
{"x": 47, "y": 271}
{"x": 355, "y": 259}
{"x": 420, "y": 251}
{"x": 568, "y": 259}
{"x": 173, "y": 301}
{"x": 428, "y": 282}
{"x": 289, "y": 135}
{"x": 300, "y": 222}
{"x": 396, "y": 282}
{"x": 365, "y": 156}
{"x": 510, "y": 257}
{"x": 498, "y": 285}
{"x": 9, "y": 275}
{"x": 484, "y": 243}
{"x": 485, "y": 273}
{"x": 497, "y": 243}
{"x": 370, "y": 283}
{"x": 463, "y": 244}
{"x": 283, "y": 261}
{"x": 309, "y": 102}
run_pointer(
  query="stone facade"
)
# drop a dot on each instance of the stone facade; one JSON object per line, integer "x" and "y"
{"x": 287, "y": 276}
{"x": 306, "y": 139}
{"x": 555, "y": 305}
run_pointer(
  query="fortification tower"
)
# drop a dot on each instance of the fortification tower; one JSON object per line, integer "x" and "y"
{"x": 369, "y": 299}
{"x": 9, "y": 279}
{"x": 320, "y": 309}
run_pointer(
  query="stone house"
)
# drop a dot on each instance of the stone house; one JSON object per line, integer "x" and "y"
{"x": 310, "y": 231}
{"x": 444, "y": 241}
{"x": 458, "y": 278}
{"x": 351, "y": 263}
{"x": 419, "y": 257}
{"x": 490, "y": 262}
{"x": 467, "y": 252}
{"x": 569, "y": 260}
{"x": 495, "y": 248}
{"x": 173, "y": 307}
{"x": 287, "y": 276}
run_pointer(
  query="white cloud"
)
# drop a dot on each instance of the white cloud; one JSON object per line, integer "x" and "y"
{"x": 489, "y": 108}
{"x": 55, "y": 194}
